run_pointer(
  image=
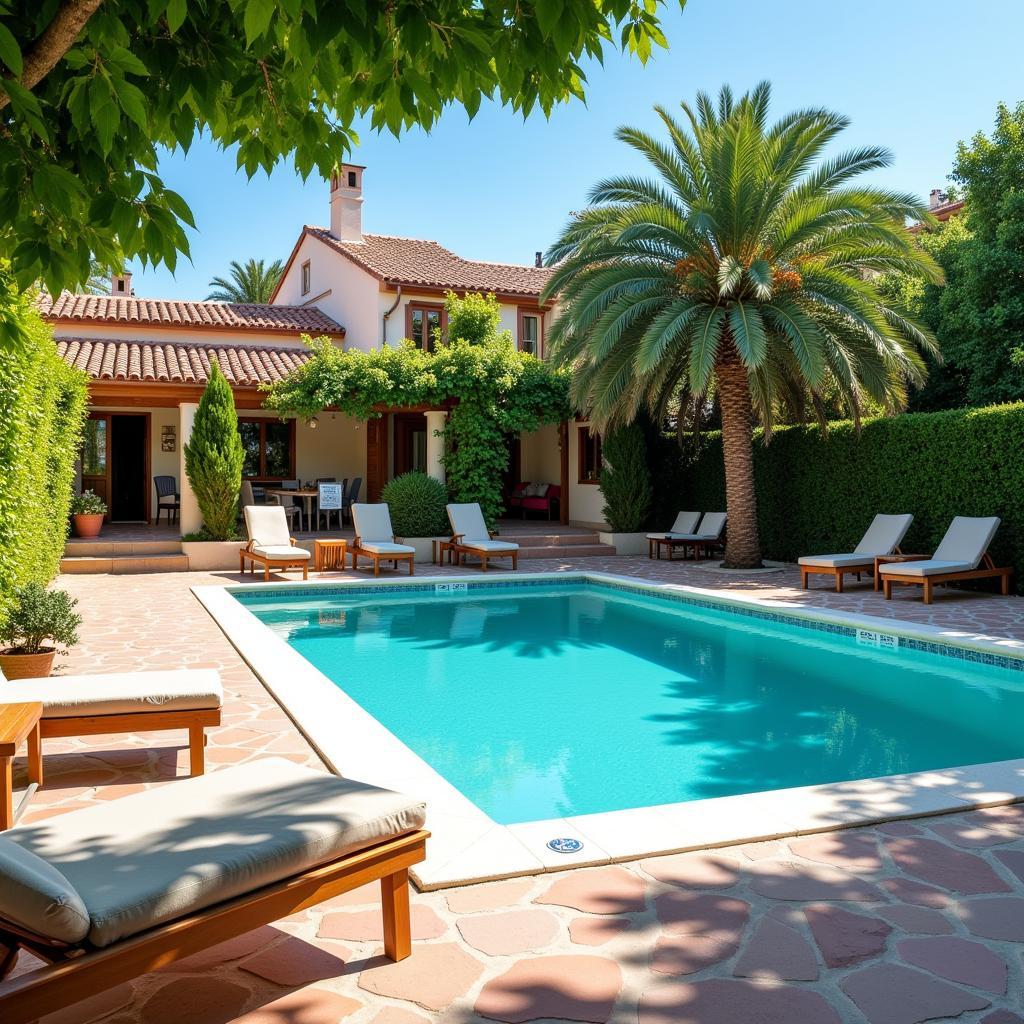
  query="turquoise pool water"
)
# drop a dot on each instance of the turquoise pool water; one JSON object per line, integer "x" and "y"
{"x": 544, "y": 701}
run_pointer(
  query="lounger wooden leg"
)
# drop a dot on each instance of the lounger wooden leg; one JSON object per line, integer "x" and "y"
{"x": 839, "y": 582}
{"x": 241, "y": 562}
{"x": 35, "y": 756}
{"x": 927, "y": 590}
{"x": 6, "y": 793}
{"x": 376, "y": 566}
{"x": 515, "y": 563}
{"x": 196, "y": 749}
{"x": 305, "y": 570}
{"x": 1004, "y": 583}
{"x": 412, "y": 567}
{"x": 394, "y": 891}
{"x": 887, "y": 587}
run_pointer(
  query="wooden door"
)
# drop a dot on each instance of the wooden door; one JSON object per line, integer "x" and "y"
{"x": 410, "y": 432}
{"x": 96, "y": 457}
{"x": 376, "y": 457}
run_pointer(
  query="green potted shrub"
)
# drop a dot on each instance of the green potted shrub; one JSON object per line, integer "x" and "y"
{"x": 417, "y": 503}
{"x": 38, "y": 623}
{"x": 87, "y": 512}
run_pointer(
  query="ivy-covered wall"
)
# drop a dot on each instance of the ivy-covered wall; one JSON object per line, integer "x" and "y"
{"x": 42, "y": 413}
{"x": 817, "y": 493}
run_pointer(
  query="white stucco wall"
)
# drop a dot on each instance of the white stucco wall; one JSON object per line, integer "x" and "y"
{"x": 339, "y": 287}
{"x": 539, "y": 457}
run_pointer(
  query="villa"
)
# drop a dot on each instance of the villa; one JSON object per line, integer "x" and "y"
{"x": 147, "y": 362}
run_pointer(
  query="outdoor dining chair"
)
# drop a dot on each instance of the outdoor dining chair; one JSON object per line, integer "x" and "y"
{"x": 167, "y": 498}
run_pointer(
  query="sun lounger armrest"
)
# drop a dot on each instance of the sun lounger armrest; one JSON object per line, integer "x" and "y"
{"x": 357, "y": 541}
{"x": 397, "y": 540}
{"x": 456, "y": 537}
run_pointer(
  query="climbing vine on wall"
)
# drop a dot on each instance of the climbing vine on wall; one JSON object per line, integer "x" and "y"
{"x": 493, "y": 390}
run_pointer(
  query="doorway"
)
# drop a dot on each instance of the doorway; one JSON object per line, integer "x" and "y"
{"x": 410, "y": 443}
{"x": 115, "y": 464}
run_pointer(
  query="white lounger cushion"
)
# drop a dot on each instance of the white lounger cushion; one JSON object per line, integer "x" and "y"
{"x": 118, "y": 694}
{"x": 928, "y": 567}
{"x": 267, "y": 525}
{"x": 836, "y": 561}
{"x": 685, "y": 524}
{"x": 491, "y": 546}
{"x": 884, "y": 535}
{"x": 153, "y": 857}
{"x": 36, "y": 896}
{"x": 372, "y": 523}
{"x": 279, "y": 551}
{"x": 387, "y": 548}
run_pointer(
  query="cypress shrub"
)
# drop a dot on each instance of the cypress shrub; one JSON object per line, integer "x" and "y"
{"x": 42, "y": 416}
{"x": 626, "y": 480}
{"x": 818, "y": 492}
{"x": 214, "y": 457}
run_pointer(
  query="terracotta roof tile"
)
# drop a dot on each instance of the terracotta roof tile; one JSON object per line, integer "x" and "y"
{"x": 414, "y": 261}
{"x": 68, "y": 307}
{"x": 179, "y": 362}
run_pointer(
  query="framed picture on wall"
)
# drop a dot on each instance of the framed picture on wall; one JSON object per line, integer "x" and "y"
{"x": 168, "y": 440}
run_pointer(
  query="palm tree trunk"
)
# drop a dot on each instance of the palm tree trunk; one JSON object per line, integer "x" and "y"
{"x": 742, "y": 547}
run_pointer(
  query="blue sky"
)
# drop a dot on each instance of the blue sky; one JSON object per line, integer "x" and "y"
{"x": 913, "y": 76}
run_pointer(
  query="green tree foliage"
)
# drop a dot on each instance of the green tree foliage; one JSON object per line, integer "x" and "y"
{"x": 42, "y": 415}
{"x": 743, "y": 268}
{"x": 818, "y": 491}
{"x": 626, "y": 479}
{"x": 417, "y": 504}
{"x": 214, "y": 457}
{"x": 252, "y": 281}
{"x": 979, "y": 315}
{"x": 473, "y": 319}
{"x": 90, "y": 91}
{"x": 493, "y": 389}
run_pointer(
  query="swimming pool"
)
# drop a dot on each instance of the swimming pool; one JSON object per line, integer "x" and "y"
{"x": 540, "y": 699}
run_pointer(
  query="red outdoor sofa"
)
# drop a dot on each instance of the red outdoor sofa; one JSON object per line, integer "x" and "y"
{"x": 533, "y": 497}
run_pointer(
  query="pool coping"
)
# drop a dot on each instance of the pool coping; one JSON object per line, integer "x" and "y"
{"x": 468, "y": 846}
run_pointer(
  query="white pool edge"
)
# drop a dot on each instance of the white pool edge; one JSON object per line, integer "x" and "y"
{"x": 468, "y": 846}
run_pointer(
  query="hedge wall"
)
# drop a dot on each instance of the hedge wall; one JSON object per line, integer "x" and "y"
{"x": 42, "y": 412}
{"x": 817, "y": 494}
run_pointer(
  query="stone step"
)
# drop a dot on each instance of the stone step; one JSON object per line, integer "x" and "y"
{"x": 567, "y": 551}
{"x": 121, "y": 564}
{"x": 547, "y": 540}
{"x": 76, "y": 547}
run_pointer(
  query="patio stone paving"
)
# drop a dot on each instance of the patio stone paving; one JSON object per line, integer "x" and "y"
{"x": 895, "y": 924}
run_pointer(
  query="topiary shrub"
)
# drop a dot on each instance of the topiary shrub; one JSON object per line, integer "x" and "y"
{"x": 626, "y": 480}
{"x": 417, "y": 503}
{"x": 214, "y": 457}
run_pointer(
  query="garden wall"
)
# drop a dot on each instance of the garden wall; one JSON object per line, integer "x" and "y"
{"x": 42, "y": 411}
{"x": 817, "y": 493}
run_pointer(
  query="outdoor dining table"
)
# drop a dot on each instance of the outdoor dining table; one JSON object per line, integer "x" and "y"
{"x": 307, "y": 494}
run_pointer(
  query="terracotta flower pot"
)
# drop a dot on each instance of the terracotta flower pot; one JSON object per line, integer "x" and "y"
{"x": 27, "y": 666}
{"x": 88, "y": 525}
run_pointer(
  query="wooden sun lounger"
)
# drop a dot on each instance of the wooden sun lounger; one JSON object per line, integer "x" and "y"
{"x": 73, "y": 973}
{"x": 271, "y": 563}
{"x": 459, "y": 549}
{"x": 377, "y": 557}
{"x": 987, "y": 570}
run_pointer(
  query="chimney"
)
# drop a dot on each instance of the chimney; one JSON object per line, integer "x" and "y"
{"x": 347, "y": 202}
{"x": 538, "y": 259}
{"x": 121, "y": 285}
{"x": 936, "y": 198}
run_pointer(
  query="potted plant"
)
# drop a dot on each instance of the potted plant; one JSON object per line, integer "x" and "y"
{"x": 37, "y": 615}
{"x": 87, "y": 512}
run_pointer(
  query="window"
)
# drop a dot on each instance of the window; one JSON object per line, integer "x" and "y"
{"x": 269, "y": 447}
{"x": 590, "y": 456}
{"x": 529, "y": 332}
{"x": 94, "y": 447}
{"x": 351, "y": 179}
{"x": 305, "y": 278}
{"x": 425, "y": 325}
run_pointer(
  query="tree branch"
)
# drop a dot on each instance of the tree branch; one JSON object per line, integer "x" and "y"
{"x": 60, "y": 35}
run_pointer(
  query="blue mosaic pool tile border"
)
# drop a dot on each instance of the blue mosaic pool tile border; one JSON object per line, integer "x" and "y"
{"x": 640, "y": 587}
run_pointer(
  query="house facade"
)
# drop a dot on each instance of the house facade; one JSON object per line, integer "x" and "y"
{"x": 148, "y": 361}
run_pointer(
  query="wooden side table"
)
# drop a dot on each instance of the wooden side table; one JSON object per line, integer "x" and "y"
{"x": 442, "y": 548}
{"x": 329, "y": 554}
{"x": 19, "y": 723}
{"x": 886, "y": 559}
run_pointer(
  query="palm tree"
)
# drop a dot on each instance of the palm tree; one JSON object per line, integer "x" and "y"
{"x": 745, "y": 271}
{"x": 250, "y": 282}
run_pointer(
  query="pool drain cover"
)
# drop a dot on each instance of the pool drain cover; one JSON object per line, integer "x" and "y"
{"x": 565, "y": 845}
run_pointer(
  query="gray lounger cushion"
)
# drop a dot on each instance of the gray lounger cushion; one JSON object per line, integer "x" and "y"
{"x": 37, "y": 897}
{"x": 926, "y": 567}
{"x": 118, "y": 693}
{"x": 281, "y": 551}
{"x": 156, "y": 856}
{"x": 837, "y": 561}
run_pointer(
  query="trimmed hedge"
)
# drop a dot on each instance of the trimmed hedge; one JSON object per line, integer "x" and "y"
{"x": 42, "y": 416}
{"x": 817, "y": 494}
{"x": 417, "y": 505}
